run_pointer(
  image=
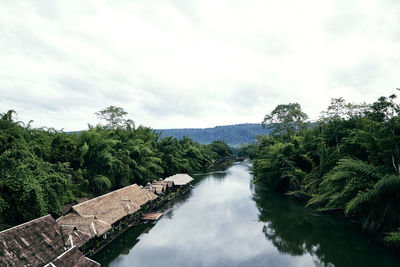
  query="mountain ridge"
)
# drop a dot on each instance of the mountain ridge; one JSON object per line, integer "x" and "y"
{"x": 234, "y": 135}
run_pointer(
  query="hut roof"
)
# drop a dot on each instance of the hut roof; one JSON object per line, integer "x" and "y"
{"x": 38, "y": 243}
{"x": 164, "y": 184}
{"x": 159, "y": 188}
{"x": 80, "y": 228}
{"x": 180, "y": 179}
{"x": 33, "y": 243}
{"x": 115, "y": 205}
{"x": 150, "y": 195}
{"x": 150, "y": 189}
{"x": 73, "y": 258}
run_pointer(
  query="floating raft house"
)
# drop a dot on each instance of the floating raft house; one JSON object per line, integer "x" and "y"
{"x": 50, "y": 243}
{"x": 95, "y": 217}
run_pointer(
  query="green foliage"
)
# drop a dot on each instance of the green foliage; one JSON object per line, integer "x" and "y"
{"x": 43, "y": 169}
{"x": 348, "y": 161}
{"x": 114, "y": 116}
{"x": 344, "y": 182}
{"x": 393, "y": 239}
{"x": 277, "y": 166}
{"x": 247, "y": 151}
{"x": 286, "y": 120}
{"x": 100, "y": 184}
{"x": 220, "y": 148}
{"x": 378, "y": 207}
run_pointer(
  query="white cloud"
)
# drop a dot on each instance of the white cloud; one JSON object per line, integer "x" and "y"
{"x": 192, "y": 63}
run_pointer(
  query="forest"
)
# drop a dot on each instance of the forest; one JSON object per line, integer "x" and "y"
{"x": 41, "y": 169}
{"x": 233, "y": 135}
{"x": 347, "y": 163}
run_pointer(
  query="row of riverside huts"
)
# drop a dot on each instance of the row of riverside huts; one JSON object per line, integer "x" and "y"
{"x": 87, "y": 227}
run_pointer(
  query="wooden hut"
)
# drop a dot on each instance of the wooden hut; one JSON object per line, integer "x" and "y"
{"x": 112, "y": 207}
{"x": 158, "y": 187}
{"x": 34, "y": 243}
{"x": 179, "y": 179}
{"x": 95, "y": 217}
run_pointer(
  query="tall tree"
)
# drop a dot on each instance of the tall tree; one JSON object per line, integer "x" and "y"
{"x": 286, "y": 119}
{"x": 114, "y": 116}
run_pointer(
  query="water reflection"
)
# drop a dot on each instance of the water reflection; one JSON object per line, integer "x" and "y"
{"x": 297, "y": 231}
{"x": 122, "y": 245}
{"x": 227, "y": 221}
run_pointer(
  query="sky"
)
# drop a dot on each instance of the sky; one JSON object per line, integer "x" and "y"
{"x": 192, "y": 63}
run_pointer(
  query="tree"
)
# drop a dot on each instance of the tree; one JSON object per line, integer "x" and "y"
{"x": 336, "y": 110}
{"x": 285, "y": 119}
{"x": 221, "y": 148}
{"x": 114, "y": 116}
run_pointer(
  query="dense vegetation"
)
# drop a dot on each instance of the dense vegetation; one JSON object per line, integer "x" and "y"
{"x": 347, "y": 162}
{"x": 42, "y": 169}
{"x": 233, "y": 135}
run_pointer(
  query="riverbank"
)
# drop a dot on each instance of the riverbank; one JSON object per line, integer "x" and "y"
{"x": 226, "y": 220}
{"x": 378, "y": 236}
{"x": 89, "y": 226}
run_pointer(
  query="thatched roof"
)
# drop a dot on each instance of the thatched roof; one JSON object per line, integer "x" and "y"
{"x": 73, "y": 258}
{"x": 38, "y": 243}
{"x": 180, "y": 179}
{"x": 159, "y": 188}
{"x": 150, "y": 195}
{"x": 162, "y": 183}
{"x": 115, "y": 205}
{"x": 81, "y": 229}
{"x": 31, "y": 244}
{"x": 150, "y": 189}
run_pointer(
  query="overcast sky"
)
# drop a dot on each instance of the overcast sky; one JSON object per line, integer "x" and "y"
{"x": 183, "y": 63}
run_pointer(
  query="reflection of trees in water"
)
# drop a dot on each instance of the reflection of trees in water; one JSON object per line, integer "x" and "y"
{"x": 219, "y": 176}
{"x": 122, "y": 244}
{"x": 294, "y": 230}
{"x": 169, "y": 207}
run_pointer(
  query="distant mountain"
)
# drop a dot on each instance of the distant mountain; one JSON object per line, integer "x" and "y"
{"x": 233, "y": 135}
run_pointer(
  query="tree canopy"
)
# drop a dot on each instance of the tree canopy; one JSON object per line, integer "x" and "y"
{"x": 285, "y": 119}
{"x": 43, "y": 169}
{"x": 347, "y": 162}
{"x": 114, "y": 116}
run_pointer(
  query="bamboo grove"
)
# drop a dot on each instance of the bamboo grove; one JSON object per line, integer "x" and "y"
{"x": 348, "y": 162}
{"x": 43, "y": 169}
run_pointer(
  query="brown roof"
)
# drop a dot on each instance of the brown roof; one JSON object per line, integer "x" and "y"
{"x": 31, "y": 244}
{"x": 81, "y": 229}
{"x": 150, "y": 189}
{"x": 180, "y": 179}
{"x": 150, "y": 195}
{"x": 115, "y": 205}
{"x": 158, "y": 188}
{"x": 38, "y": 243}
{"x": 162, "y": 183}
{"x": 73, "y": 258}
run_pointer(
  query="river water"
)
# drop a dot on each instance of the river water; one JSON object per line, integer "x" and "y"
{"x": 225, "y": 220}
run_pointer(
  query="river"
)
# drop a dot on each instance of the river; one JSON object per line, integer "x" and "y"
{"x": 225, "y": 220}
